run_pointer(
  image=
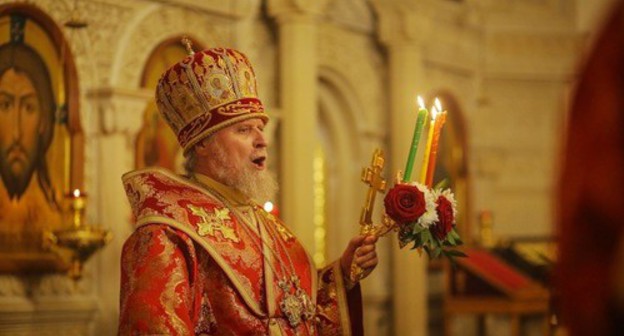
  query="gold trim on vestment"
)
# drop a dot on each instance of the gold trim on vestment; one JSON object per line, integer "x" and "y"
{"x": 255, "y": 307}
{"x": 268, "y": 272}
{"x": 163, "y": 171}
{"x": 343, "y": 303}
{"x": 263, "y": 224}
{"x": 189, "y": 229}
{"x": 275, "y": 329}
{"x": 314, "y": 274}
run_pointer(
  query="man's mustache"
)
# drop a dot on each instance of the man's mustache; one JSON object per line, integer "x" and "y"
{"x": 17, "y": 148}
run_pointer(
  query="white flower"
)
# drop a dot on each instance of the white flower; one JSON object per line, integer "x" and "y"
{"x": 430, "y": 216}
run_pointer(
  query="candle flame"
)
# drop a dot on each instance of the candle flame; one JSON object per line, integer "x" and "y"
{"x": 76, "y": 193}
{"x": 421, "y": 102}
{"x": 438, "y": 104}
{"x": 434, "y": 112}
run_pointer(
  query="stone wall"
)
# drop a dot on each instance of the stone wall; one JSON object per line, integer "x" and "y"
{"x": 508, "y": 64}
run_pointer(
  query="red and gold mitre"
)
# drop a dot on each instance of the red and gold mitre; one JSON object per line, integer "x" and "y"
{"x": 206, "y": 92}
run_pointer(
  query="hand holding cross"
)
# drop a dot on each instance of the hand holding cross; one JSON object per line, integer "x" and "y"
{"x": 371, "y": 176}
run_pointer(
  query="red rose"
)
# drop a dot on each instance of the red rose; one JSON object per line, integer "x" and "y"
{"x": 444, "y": 225}
{"x": 405, "y": 203}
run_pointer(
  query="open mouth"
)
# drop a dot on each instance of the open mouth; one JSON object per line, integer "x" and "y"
{"x": 259, "y": 162}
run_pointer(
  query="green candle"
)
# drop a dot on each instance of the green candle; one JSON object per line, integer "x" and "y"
{"x": 420, "y": 121}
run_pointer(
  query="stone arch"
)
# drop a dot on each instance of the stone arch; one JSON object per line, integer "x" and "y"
{"x": 156, "y": 24}
{"x": 358, "y": 63}
{"x": 339, "y": 126}
{"x": 353, "y": 131}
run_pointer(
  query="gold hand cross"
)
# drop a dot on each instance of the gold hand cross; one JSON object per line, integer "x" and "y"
{"x": 372, "y": 176}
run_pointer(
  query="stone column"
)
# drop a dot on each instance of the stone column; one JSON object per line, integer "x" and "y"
{"x": 410, "y": 271}
{"x": 298, "y": 100}
{"x": 403, "y": 34}
{"x": 119, "y": 117}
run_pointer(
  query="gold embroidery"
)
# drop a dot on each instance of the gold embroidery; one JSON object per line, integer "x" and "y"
{"x": 215, "y": 221}
{"x": 170, "y": 299}
{"x": 283, "y": 232}
{"x": 174, "y": 216}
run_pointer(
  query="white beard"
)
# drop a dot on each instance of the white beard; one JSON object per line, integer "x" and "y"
{"x": 260, "y": 185}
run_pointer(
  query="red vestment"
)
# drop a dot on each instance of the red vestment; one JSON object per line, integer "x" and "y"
{"x": 591, "y": 198}
{"x": 203, "y": 261}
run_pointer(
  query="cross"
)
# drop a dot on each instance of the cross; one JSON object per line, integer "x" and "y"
{"x": 372, "y": 176}
{"x": 188, "y": 44}
{"x": 210, "y": 223}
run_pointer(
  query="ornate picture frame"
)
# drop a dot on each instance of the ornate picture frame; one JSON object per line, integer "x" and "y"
{"x": 41, "y": 147}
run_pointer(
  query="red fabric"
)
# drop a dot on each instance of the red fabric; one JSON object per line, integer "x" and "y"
{"x": 172, "y": 284}
{"x": 354, "y": 299}
{"x": 206, "y": 91}
{"x": 494, "y": 269}
{"x": 218, "y": 116}
{"x": 591, "y": 194}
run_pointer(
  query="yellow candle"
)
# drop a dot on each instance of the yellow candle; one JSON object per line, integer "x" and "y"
{"x": 423, "y": 171}
{"x": 434, "y": 147}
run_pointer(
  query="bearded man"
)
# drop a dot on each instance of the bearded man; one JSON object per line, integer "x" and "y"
{"x": 28, "y": 202}
{"x": 26, "y": 117}
{"x": 205, "y": 258}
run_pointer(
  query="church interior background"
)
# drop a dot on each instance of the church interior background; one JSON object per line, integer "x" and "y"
{"x": 339, "y": 79}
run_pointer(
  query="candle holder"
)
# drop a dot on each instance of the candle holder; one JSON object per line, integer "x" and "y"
{"x": 76, "y": 244}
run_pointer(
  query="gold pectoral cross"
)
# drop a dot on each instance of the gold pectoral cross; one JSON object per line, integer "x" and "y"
{"x": 212, "y": 222}
{"x": 371, "y": 176}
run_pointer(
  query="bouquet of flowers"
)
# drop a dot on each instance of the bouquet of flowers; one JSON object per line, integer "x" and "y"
{"x": 424, "y": 218}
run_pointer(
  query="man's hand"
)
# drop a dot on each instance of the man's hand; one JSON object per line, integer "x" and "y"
{"x": 361, "y": 251}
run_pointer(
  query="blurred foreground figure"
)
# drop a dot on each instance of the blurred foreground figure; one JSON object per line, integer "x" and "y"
{"x": 590, "y": 274}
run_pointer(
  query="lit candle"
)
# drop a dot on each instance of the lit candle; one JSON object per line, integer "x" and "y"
{"x": 441, "y": 119}
{"x": 78, "y": 201}
{"x": 420, "y": 122}
{"x": 271, "y": 208}
{"x": 423, "y": 171}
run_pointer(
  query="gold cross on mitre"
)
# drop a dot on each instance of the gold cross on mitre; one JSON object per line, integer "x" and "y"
{"x": 212, "y": 222}
{"x": 188, "y": 44}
